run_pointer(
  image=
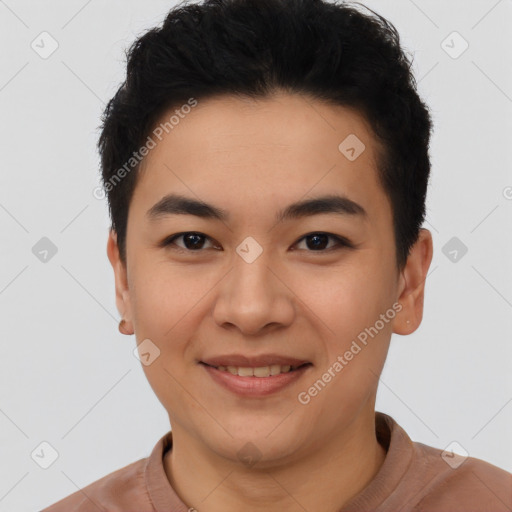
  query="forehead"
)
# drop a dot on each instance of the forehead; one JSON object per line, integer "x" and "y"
{"x": 247, "y": 155}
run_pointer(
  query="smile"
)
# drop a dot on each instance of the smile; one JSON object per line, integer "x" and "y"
{"x": 259, "y": 381}
{"x": 260, "y": 371}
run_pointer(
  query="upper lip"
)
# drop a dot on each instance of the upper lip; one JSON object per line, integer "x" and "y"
{"x": 254, "y": 361}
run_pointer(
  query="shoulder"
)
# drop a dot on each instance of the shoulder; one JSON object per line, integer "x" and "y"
{"x": 420, "y": 478}
{"x": 453, "y": 482}
{"x": 122, "y": 490}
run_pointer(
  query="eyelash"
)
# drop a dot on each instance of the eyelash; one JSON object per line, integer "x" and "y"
{"x": 341, "y": 242}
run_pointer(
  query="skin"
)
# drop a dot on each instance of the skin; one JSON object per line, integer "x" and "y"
{"x": 253, "y": 158}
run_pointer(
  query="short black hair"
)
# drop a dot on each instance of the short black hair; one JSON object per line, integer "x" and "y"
{"x": 328, "y": 51}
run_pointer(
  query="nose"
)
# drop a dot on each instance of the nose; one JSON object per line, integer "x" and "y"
{"x": 255, "y": 297}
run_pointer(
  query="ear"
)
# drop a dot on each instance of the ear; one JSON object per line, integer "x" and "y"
{"x": 121, "y": 281}
{"x": 412, "y": 284}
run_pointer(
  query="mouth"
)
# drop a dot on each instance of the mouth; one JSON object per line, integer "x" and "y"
{"x": 255, "y": 377}
{"x": 258, "y": 371}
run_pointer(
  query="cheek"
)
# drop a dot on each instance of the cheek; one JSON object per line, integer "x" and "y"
{"x": 164, "y": 308}
{"x": 345, "y": 298}
{"x": 352, "y": 307}
{"x": 162, "y": 300}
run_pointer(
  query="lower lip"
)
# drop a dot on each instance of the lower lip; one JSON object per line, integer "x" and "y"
{"x": 254, "y": 386}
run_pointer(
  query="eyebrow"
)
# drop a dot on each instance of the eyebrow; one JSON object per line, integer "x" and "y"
{"x": 175, "y": 204}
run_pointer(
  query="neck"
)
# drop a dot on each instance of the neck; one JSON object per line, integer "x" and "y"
{"x": 325, "y": 479}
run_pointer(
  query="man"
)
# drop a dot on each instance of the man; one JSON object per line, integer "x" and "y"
{"x": 266, "y": 165}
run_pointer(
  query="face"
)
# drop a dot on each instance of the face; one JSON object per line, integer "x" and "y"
{"x": 234, "y": 280}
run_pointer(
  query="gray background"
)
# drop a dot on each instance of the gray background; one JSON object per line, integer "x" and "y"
{"x": 69, "y": 378}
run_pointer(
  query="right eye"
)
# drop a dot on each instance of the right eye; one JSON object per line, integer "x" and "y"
{"x": 192, "y": 240}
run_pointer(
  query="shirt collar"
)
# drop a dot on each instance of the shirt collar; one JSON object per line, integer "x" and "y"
{"x": 390, "y": 435}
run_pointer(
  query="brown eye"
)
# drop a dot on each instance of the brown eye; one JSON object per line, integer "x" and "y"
{"x": 192, "y": 241}
{"x": 317, "y": 242}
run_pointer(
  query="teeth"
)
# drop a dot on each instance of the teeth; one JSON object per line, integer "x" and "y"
{"x": 275, "y": 369}
{"x": 261, "y": 371}
{"x": 245, "y": 372}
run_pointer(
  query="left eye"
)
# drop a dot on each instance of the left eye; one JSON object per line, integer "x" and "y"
{"x": 318, "y": 241}
{"x": 194, "y": 242}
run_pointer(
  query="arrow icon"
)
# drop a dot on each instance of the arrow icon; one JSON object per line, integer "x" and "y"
{"x": 44, "y": 455}
{"x": 146, "y": 352}
{"x": 351, "y": 147}
{"x": 454, "y": 45}
{"x": 249, "y": 249}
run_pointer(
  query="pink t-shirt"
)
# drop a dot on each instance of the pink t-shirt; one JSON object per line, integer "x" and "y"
{"x": 414, "y": 477}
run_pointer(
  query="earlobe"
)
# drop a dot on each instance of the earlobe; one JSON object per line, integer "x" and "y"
{"x": 121, "y": 284}
{"x": 414, "y": 275}
{"x": 124, "y": 328}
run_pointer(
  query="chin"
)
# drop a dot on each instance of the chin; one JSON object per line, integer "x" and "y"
{"x": 261, "y": 453}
